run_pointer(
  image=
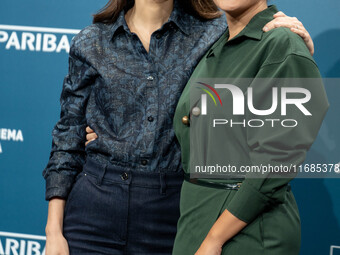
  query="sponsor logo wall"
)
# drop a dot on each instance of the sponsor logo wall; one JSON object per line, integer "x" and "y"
{"x": 35, "y": 37}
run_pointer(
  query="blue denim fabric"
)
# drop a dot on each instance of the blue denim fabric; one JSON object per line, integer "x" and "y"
{"x": 116, "y": 210}
{"x": 126, "y": 95}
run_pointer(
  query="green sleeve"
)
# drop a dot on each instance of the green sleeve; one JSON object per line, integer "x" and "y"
{"x": 279, "y": 145}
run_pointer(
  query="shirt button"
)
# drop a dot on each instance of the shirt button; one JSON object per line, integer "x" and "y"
{"x": 144, "y": 162}
{"x": 185, "y": 120}
{"x": 124, "y": 176}
{"x": 158, "y": 36}
{"x": 150, "y": 118}
{"x": 150, "y": 78}
{"x": 196, "y": 111}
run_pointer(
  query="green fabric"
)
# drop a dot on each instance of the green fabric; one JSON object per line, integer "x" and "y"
{"x": 278, "y": 53}
{"x": 275, "y": 231}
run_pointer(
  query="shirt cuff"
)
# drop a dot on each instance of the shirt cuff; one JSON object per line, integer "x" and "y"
{"x": 247, "y": 203}
{"x": 58, "y": 185}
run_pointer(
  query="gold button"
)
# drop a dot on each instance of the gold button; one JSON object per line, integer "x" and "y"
{"x": 185, "y": 120}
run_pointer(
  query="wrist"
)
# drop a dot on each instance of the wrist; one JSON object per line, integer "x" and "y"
{"x": 53, "y": 230}
{"x": 215, "y": 238}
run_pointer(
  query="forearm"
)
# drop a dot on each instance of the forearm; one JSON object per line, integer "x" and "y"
{"x": 226, "y": 226}
{"x": 55, "y": 216}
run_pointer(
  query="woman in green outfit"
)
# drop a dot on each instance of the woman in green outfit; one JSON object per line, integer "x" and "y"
{"x": 246, "y": 213}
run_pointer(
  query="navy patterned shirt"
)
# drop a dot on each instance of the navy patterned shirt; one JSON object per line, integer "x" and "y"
{"x": 126, "y": 95}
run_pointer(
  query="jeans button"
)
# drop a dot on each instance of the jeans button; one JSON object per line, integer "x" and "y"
{"x": 124, "y": 176}
{"x": 144, "y": 162}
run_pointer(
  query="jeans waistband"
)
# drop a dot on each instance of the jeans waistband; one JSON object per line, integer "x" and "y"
{"x": 118, "y": 174}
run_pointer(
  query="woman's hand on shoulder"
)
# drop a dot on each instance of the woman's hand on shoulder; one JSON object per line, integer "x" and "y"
{"x": 90, "y": 136}
{"x": 296, "y": 26}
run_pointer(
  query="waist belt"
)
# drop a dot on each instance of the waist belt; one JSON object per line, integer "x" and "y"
{"x": 211, "y": 184}
{"x": 218, "y": 185}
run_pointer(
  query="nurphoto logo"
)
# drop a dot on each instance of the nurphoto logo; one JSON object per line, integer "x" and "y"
{"x": 283, "y": 102}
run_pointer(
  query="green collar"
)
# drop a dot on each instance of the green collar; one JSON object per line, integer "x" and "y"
{"x": 253, "y": 29}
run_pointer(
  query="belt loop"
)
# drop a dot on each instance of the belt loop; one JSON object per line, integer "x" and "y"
{"x": 101, "y": 175}
{"x": 163, "y": 183}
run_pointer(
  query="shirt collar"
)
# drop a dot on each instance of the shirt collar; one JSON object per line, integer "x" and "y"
{"x": 177, "y": 16}
{"x": 253, "y": 29}
{"x": 180, "y": 18}
{"x": 120, "y": 23}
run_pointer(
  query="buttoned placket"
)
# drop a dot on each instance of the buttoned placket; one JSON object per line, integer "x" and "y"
{"x": 152, "y": 98}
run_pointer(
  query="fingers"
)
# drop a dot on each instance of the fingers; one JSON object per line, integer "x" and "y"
{"x": 306, "y": 37}
{"x": 86, "y": 143}
{"x": 303, "y": 33}
{"x": 269, "y": 26}
{"x": 91, "y": 136}
{"x": 279, "y": 14}
{"x": 283, "y": 22}
{"x": 89, "y": 130}
{"x": 288, "y": 24}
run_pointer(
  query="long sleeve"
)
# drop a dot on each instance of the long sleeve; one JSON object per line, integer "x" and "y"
{"x": 68, "y": 136}
{"x": 279, "y": 145}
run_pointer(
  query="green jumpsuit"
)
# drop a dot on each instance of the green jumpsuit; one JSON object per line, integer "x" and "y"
{"x": 266, "y": 204}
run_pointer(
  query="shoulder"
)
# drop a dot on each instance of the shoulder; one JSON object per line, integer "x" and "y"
{"x": 217, "y": 25}
{"x": 90, "y": 35}
{"x": 281, "y": 43}
{"x": 208, "y": 31}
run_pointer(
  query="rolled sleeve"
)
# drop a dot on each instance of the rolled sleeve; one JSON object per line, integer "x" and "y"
{"x": 279, "y": 146}
{"x": 58, "y": 185}
{"x": 247, "y": 202}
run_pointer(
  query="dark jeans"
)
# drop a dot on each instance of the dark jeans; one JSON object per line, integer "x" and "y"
{"x": 115, "y": 210}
